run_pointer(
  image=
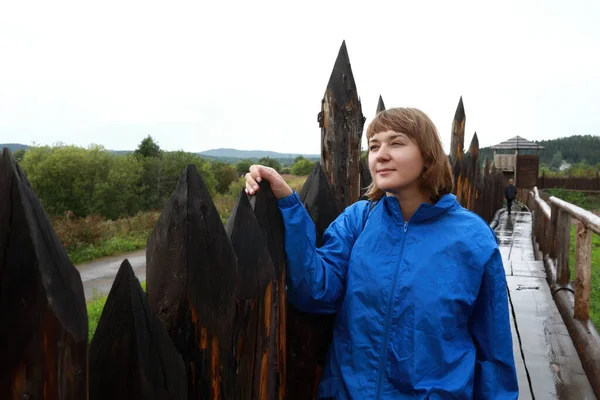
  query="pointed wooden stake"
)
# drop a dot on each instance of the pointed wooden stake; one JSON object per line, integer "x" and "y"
{"x": 191, "y": 275}
{"x": 458, "y": 132}
{"x": 255, "y": 335}
{"x": 341, "y": 121}
{"x": 43, "y": 318}
{"x": 131, "y": 355}
{"x": 309, "y": 335}
{"x": 271, "y": 223}
{"x": 380, "y": 105}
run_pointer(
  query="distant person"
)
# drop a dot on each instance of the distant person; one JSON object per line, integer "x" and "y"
{"x": 416, "y": 280}
{"x": 510, "y": 193}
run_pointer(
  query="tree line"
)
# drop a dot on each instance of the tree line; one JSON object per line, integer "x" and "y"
{"x": 95, "y": 181}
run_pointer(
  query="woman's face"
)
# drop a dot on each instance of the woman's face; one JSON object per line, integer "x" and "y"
{"x": 395, "y": 161}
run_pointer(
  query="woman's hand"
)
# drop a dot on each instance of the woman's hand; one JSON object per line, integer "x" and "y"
{"x": 259, "y": 172}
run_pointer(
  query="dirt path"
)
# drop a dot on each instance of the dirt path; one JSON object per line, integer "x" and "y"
{"x": 98, "y": 275}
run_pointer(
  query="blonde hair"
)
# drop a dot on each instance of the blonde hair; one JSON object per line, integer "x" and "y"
{"x": 437, "y": 178}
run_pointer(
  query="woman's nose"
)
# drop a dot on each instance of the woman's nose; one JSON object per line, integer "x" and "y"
{"x": 383, "y": 153}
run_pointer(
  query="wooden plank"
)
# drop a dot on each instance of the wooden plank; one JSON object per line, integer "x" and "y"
{"x": 341, "y": 122}
{"x": 132, "y": 355}
{"x": 550, "y": 357}
{"x": 191, "y": 277}
{"x": 528, "y": 268}
{"x": 523, "y": 379}
{"x": 583, "y": 271}
{"x": 43, "y": 318}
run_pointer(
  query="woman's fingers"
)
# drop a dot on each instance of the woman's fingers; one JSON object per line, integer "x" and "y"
{"x": 251, "y": 184}
{"x": 259, "y": 172}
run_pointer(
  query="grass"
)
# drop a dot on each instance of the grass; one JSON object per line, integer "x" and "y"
{"x": 586, "y": 200}
{"x": 94, "y": 237}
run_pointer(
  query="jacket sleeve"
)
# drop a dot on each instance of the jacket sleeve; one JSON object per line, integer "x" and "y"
{"x": 495, "y": 372}
{"x": 316, "y": 277}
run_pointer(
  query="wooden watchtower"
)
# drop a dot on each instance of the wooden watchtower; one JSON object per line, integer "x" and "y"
{"x": 521, "y": 164}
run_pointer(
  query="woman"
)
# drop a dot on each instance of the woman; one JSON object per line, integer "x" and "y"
{"x": 416, "y": 280}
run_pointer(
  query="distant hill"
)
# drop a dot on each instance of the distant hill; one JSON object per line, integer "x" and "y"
{"x": 14, "y": 146}
{"x": 253, "y": 154}
{"x": 574, "y": 149}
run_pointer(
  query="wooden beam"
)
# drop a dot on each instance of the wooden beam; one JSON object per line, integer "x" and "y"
{"x": 458, "y": 132}
{"x": 583, "y": 271}
{"x": 258, "y": 372}
{"x": 191, "y": 277}
{"x": 132, "y": 355}
{"x": 341, "y": 121}
{"x": 309, "y": 335}
{"x": 43, "y": 317}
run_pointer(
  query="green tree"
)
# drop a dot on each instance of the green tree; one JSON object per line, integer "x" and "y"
{"x": 302, "y": 167}
{"x": 270, "y": 162}
{"x": 19, "y": 155}
{"x": 243, "y": 166}
{"x": 224, "y": 174}
{"x": 65, "y": 177}
{"x": 121, "y": 194}
{"x": 148, "y": 148}
{"x": 557, "y": 161}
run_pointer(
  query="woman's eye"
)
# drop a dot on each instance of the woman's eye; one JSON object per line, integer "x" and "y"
{"x": 373, "y": 148}
{"x": 397, "y": 143}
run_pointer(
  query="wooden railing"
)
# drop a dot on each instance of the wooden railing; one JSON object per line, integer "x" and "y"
{"x": 552, "y": 240}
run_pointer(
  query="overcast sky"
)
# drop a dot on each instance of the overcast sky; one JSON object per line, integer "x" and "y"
{"x": 250, "y": 75}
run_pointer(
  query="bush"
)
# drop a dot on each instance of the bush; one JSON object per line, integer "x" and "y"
{"x": 302, "y": 167}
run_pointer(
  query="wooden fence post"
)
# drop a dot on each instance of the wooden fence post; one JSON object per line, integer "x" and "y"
{"x": 132, "y": 355}
{"x": 583, "y": 268}
{"x": 380, "y": 105}
{"x": 457, "y": 142}
{"x": 259, "y": 367}
{"x": 270, "y": 221}
{"x": 341, "y": 121}
{"x": 44, "y": 327}
{"x": 474, "y": 173}
{"x": 563, "y": 240}
{"x": 365, "y": 174}
{"x": 191, "y": 275}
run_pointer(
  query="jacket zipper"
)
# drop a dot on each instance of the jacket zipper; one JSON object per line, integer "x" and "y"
{"x": 386, "y": 330}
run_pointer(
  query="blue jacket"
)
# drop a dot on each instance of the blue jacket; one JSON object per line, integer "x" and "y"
{"x": 422, "y": 306}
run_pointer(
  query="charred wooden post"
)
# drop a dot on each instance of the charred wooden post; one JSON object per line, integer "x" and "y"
{"x": 43, "y": 328}
{"x": 256, "y": 322}
{"x": 380, "y": 105}
{"x": 270, "y": 221}
{"x": 341, "y": 121}
{"x": 132, "y": 355}
{"x": 474, "y": 171}
{"x": 365, "y": 174}
{"x": 458, "y": 132}
{"x": 191, "y": 275}
{"x": 309, "y": 335}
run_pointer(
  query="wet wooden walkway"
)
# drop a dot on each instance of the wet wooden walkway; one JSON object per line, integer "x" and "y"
{"x": 548, "y": 366}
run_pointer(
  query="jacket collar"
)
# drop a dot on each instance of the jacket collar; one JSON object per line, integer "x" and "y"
{"x": 424, "y": 213}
